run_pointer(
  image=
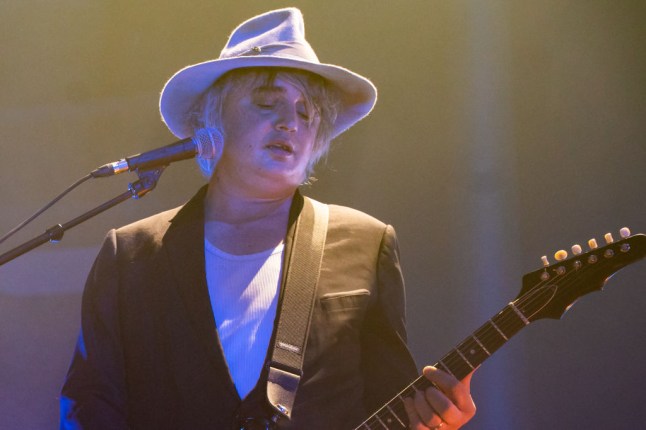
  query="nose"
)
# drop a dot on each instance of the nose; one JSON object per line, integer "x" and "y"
{"x": 287, "y": 119}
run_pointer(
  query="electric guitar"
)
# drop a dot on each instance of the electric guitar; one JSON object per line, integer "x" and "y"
{"x": 546, "y": 293}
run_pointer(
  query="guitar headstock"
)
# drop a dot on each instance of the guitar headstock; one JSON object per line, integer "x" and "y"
{"x": 549, "y": 292}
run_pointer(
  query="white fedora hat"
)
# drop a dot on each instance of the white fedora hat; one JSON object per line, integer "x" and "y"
{"x": 273, "y": 39}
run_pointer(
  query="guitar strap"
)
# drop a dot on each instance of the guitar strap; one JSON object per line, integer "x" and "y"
{"x": 301, "y": 278}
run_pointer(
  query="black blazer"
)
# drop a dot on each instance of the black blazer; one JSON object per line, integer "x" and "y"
{"x": 149, "y": 357}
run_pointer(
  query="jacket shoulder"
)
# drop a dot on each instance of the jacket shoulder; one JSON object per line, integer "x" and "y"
{"x": 151, "y": 225}
{"x": 148, "y": 234}
{"x": 145, "y": 235}
{"x": 354, "y": 219}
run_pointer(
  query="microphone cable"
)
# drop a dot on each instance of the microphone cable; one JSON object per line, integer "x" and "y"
{"x": 44, "y": 208}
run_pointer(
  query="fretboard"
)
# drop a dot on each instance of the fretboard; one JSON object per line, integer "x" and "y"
{"x": 459, "y": 362}
{"x": 547, "y": 293}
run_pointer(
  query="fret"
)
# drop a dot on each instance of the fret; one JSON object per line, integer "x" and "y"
{"x": 498, "y": 329}
{"x": 490, "y": 338}
{"x": 509, "y": 319}
{"x": 538, "y": 299}
{"x": 481, "y": 345}
{"x": 396, "y": 416}
{"x": 457, "y": 364}
{"x": 474, "y": 350}
{"x": 519, "y": 313}
{"x": 445, "y": 367}
{"x": 464, "y": 358}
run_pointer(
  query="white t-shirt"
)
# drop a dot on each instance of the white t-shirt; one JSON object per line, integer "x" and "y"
{"x": 244, "y": 296}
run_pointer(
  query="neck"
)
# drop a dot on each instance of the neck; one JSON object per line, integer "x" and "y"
{"x": 245, "y": 224}
{"x": 227, "y": 206}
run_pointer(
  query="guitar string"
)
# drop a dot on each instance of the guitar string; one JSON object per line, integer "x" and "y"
{"x": 451, "y": 360}
{"x": 503, "y": 321}
{"x": 525, "y": 302}
{"x": 533, "y": 301}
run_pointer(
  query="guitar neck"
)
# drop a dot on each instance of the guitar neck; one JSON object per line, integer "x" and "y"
{"x": 459, "y": 362}
{"x": 547, "y": 293}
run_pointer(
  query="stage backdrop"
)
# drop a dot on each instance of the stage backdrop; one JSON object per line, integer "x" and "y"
{"x": 505, "y": 130}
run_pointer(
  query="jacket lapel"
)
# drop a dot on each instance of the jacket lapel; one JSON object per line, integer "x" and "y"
{"x": 184, "y": 244}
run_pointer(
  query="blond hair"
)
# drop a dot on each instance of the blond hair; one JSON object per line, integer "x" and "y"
{"x": 319, "y": 95}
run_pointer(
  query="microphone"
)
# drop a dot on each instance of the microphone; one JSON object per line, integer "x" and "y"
{"x": 206, "y": 143}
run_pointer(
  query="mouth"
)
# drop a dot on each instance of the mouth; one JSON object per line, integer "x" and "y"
{"x": 281, "y": 147}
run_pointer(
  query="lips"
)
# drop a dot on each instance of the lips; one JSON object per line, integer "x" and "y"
{"x": 282, "y": 147}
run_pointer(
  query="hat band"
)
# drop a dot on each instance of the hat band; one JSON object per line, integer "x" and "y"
{"x": 295, "y": 50}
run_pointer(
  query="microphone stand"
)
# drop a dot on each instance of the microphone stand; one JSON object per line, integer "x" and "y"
{"x": 146, "y": 183}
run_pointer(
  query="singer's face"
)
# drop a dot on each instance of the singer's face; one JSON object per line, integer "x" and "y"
{"x": 269, "y": 134}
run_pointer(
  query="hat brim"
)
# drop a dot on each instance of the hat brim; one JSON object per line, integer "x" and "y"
{"x": 357, "y": 94}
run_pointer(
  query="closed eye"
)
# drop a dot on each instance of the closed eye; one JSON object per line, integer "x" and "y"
{"x": 304, "y": 116}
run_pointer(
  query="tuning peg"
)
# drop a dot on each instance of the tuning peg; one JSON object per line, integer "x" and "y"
{"x": 624, "y": 232}
{"x": 576, "y": 249}
{"x": 560, "y": 255}
{"x": 592, "y": 243}
{"x": 608, "y": 238}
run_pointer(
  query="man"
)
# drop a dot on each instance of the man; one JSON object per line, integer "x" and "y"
{"x": 179, "y": 310}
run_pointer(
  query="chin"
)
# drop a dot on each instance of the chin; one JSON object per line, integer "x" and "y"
{"x": 288, "y": 179}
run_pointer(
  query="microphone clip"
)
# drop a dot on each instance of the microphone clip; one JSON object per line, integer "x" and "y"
{"x": 146, "y": 183}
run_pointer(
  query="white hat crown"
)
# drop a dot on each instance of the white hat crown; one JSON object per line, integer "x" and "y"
{"x": 273, "y": 39}
{"x": 275, "y": 32}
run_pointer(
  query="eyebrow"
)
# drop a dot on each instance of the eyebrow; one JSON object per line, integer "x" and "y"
{"x": 269, "y": 89}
